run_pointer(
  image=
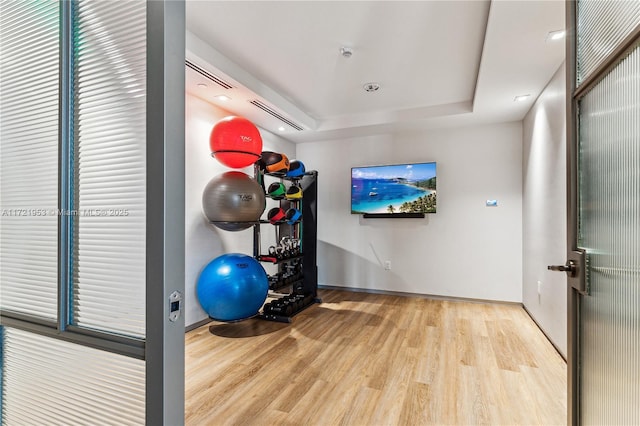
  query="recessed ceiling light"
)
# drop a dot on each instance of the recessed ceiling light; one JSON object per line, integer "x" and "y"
{"x": 346, "y": 51}
{"x": 556, "y": 35}
{"x": 202, "y": 86}
{"x": 521, "y": 98}
{"x": 223, "y": 98}
{"x": 281, "y": 128}
{"x": 371, "y": 87}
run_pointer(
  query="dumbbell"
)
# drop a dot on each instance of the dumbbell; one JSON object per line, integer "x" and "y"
{"x": 267, "y": 308}
{"x": 284, "y": 306}
{"x": 303, "y": 300}
{"x": 277, "y": 308}
{"x": 289, "y": 302}
{"x": 297, "y": 301}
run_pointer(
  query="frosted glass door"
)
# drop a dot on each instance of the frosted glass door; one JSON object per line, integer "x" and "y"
{"x": 609, "y": 231}
{"x": 110, "y": 181}
{"x": 29, "y": 45}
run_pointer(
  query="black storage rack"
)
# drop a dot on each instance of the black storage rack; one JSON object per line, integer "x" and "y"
{"x": 303, "y": 282}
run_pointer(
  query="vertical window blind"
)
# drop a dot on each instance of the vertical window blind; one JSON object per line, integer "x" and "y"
{"x": 602, "y": 25}
{"x": 48, "y": 381}
{"x": 29, "y": 66}
{"x": 110, "y": 183}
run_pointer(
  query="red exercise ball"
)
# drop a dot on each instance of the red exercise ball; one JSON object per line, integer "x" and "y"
{"x": 235, "y": 142}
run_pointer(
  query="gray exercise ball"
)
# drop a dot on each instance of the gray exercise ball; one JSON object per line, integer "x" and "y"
{"x": 232, "y": 199}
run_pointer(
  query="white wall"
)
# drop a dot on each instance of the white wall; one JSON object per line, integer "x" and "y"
{"x": 203, "y": 241}
{"x": 544, "y": 212}
{"x": 464, "y": 250}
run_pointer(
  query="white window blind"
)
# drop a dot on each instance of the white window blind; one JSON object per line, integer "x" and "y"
{"x": 110, "y": 188}
{"x": 29, "y": 70}
{"x": 602, "y": 25}
{"x": 51, "y": 382}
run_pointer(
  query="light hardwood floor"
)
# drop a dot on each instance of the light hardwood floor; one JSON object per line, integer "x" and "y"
{"x": 371, "y": 359}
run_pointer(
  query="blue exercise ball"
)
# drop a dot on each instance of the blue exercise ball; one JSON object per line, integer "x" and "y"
{"x": 232, "y": 287}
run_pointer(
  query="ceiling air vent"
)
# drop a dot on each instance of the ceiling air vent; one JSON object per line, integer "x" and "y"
{"x": 208, "y": 75}
{"x": 275, "y": 114}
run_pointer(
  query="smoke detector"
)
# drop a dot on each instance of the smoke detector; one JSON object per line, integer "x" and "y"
{"x": 346, "y": 51}
{"x": 371, "y": 87}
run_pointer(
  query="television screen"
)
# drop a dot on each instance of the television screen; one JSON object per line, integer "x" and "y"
{"x": 394, "y": 189}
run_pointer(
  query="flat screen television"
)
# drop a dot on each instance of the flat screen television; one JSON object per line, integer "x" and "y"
{"x": 397, "y": 189}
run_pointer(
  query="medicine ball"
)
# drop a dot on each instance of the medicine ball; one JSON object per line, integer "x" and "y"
{"x": 296, "y": 169}
{"x": 276, "y": 215}
{"x": 294, "y": 192}
{"x": 276, "y": 191}
{"x": 273, "y": 162}
{"x": 293, "y": 215}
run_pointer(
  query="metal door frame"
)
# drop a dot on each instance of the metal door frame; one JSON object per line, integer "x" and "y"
{"x": 164, "y": 349}
{"x": 573, "y": 298}
{"x": 163, "y": 345}
{"x": 574, "y": 94}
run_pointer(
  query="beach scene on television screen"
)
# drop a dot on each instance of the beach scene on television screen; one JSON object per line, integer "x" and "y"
{"x": 406, "y": 188}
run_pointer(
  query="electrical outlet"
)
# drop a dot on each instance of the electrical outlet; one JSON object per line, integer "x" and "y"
{"x": 539, "y": 288}
{"x": 387, "y": 265}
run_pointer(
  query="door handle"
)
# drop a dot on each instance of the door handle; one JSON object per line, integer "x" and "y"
{"x": 569, "y": 267}
{"x": 577, "y": 270}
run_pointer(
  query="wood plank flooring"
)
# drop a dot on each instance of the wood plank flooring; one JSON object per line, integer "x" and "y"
{"x": 371, "y": 359}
